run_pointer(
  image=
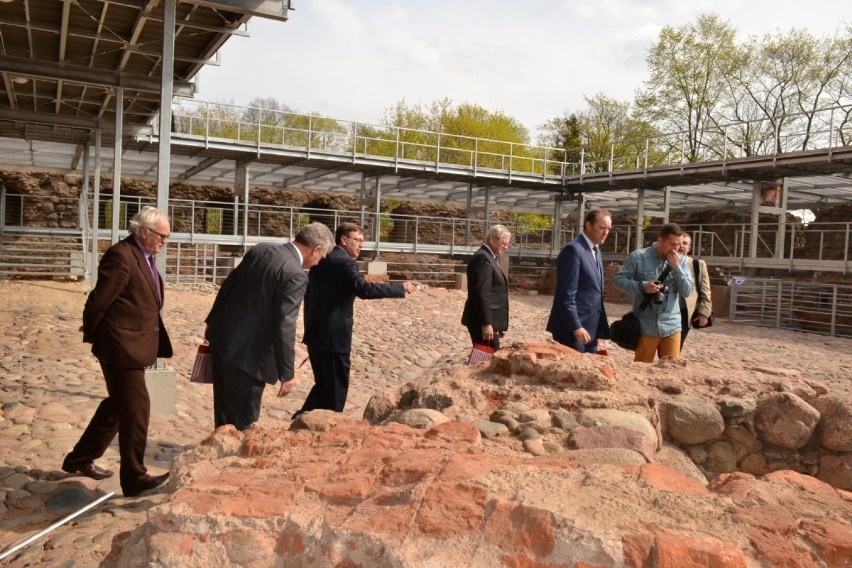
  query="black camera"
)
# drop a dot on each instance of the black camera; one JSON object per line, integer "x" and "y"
{"x": 660, "y": 296}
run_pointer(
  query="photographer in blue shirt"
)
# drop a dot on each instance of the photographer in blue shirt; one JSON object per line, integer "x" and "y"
{"x": 657, "y": 277}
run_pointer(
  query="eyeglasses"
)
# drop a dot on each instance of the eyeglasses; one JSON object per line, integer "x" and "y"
{"x": 357, "y": 240}
{"x": 163, "y": 237}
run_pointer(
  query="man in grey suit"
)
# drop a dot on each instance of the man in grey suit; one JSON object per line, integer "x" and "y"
{"x": 578, "y": 318}
{"x": 486, "y": 311}
{"x": 252, "y": 325}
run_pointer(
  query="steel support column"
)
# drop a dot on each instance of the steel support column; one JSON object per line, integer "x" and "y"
{"x": 241, "y": 187}
{"x": 782, "y": 221}
{"x": 581, "y": 211}
{"x": 116, "y": 164}
{"x": 165, "y": 133}
{"x": 96, "y": 205}
{"x": 469, "y": 210}
{"x": 556, "y": 226}
{"x": 377, "y": 224}
{"x": 84, "y": 210}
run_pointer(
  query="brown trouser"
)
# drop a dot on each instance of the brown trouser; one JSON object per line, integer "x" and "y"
{"x": 124, "y": 412}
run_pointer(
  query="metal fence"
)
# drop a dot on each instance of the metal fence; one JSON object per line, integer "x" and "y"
{"x": 229, "y": 222}
{"x": 805, "y": 306}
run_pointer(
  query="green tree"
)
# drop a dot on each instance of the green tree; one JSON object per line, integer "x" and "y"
{"x": 688, "y": 84}
{"x": 604, "y": 135}
{"x": 465, "y": 134}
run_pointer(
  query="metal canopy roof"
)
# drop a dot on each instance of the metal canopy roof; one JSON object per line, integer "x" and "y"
{"x": 61, "y": 60}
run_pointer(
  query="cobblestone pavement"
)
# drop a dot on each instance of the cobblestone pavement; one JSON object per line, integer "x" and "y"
{"x": 51, "y": 384}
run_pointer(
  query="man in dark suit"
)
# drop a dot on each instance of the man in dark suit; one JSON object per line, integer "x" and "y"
{"x": 578, "y": 318}
{"x": 486, "y": 311}
{"x": 122, "y": 321}
{"x": 251, "y": 327}
{"x": 333, "y": 285}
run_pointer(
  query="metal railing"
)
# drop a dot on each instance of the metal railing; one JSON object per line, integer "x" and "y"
{"x": 822, "y": 129}
{"x": 805, "y": 306}
{"x": 233, "y": 223}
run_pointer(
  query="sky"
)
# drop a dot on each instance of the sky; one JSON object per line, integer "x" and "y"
{"x": 531, "y": 59}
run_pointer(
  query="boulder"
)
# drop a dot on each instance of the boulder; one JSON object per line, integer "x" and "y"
{"x": 721, "y": 457}
{"x": 693, "y": 421}
{"x": 421, "y": 418}
{"x": 615, "y": 417}
{"x": 736, "y": 408}
{"x": 745, "y": 442}
{"x": 675, "y": 458}
{"x": 490, "y": 430}
{"x": 612, "y": 437}
{"x": 836, "y": 470}
{"x": 379, "y": 408}
{"x": 785, "y": 420}
{"x": 835, "y": 427}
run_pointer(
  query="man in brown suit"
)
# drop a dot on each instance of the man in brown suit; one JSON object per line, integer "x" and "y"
{"x": 122, "y": 321}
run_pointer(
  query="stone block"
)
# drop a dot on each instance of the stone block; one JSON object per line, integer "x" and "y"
{"x": 377, "y": 267}
{"x": 161, "y": 385}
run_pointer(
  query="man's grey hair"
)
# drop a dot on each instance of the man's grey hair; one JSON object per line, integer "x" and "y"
{"x": 497, "y": 231}
{"x": 147, "y": 217}
{"x": 316, "y": 235}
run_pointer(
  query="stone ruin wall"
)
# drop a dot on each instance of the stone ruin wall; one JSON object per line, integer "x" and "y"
{"x": 802, "y": 426}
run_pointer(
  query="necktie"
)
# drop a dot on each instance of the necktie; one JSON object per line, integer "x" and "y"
{"x": 152, "y": 261}
{"x": 597, "y": 254}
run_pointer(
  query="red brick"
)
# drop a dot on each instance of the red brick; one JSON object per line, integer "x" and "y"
{"x": 521, "y": 529}
{"x": 389, "y": 515}
{"x": 289, "y": 543}
{"x": 669, "y": 479}
{"x": 678, "y": 551}
{"x": 455, "y": 433}
{"x": 737, "y": 485}
{"x": 832, "y": 539}
{"x": 637, "y": 550}
{"x": 472, "y": 466}
{"x": 773, "y": 518}
{"x": 201, "y": 503}
{"x": 412, "y": 466}
{"x": 262, "y": 500}
{"x": 451, "y": 509}
{"x": 515, "y": 561}
{"x": 778, "y": 551}
{"x": 343, "y": 490}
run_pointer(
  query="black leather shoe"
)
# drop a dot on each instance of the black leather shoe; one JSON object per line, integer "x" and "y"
{"x": 89, "y": 470}
{"x": 145, "y": 483}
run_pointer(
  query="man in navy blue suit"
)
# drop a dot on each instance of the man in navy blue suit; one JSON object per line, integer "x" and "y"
{"x": 578, "y": 318}
{"x": 333, "y": 285}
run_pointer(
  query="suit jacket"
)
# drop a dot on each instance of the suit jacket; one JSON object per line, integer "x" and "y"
{"x": 252, "y": 323}
{"x": 333, "y": 285}
{"x": 693, "y": 306}
{"x": 578, "y": 300}
{"x": 487, "y": 292}
{"x": 121, "y": 318}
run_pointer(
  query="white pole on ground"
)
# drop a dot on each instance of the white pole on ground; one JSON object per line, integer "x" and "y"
{"x": 55, "y": 525}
